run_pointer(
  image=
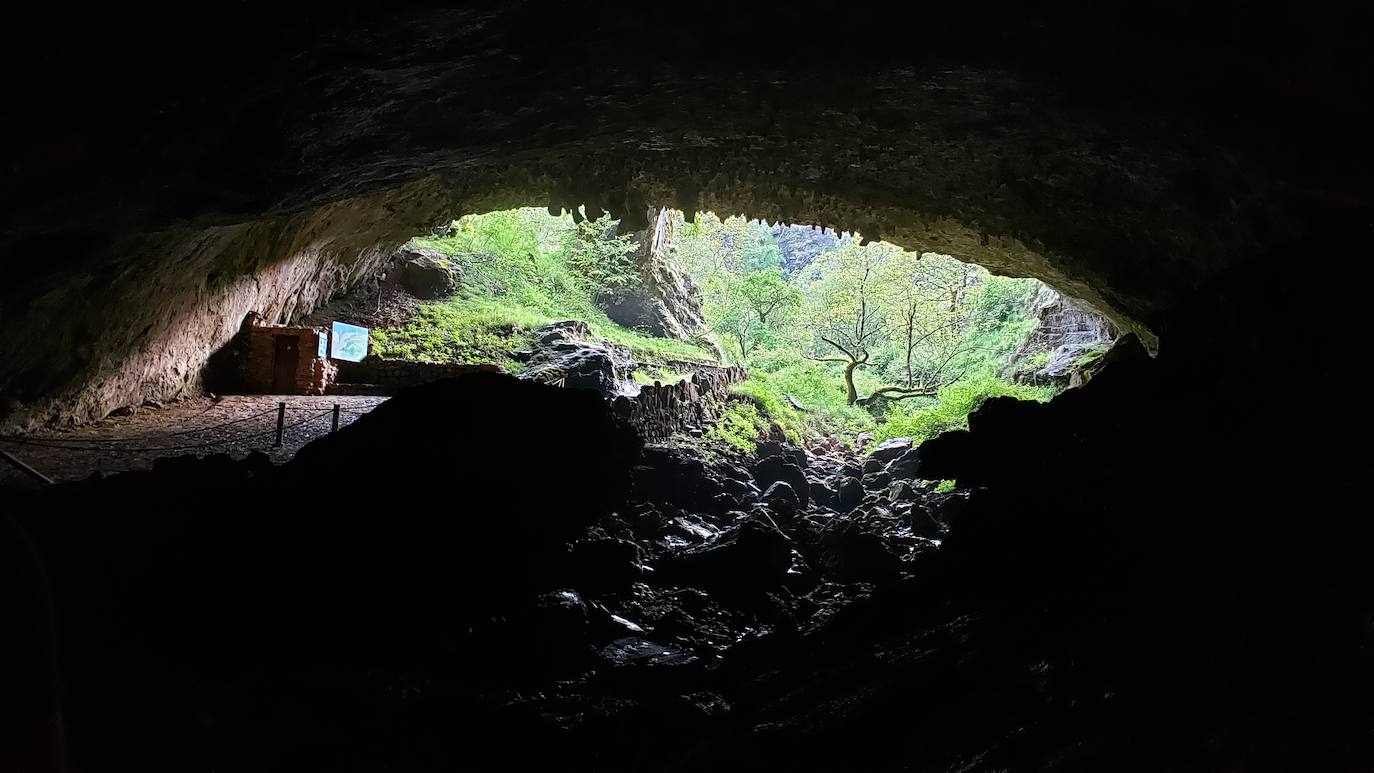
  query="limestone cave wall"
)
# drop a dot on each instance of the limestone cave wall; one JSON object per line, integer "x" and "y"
{"x": 140, "y": 321}
{"x": 254, "y": 158}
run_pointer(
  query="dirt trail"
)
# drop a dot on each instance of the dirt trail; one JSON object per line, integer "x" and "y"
{"x": 234, "y": 424}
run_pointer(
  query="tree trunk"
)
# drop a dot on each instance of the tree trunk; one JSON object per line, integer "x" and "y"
{"x": 909, "y": 334}
{"x": 852, "y": 393}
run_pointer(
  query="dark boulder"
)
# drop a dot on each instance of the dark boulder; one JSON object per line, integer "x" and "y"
{"x": 877, "y": 481}
{"x": 752, "y": 557}
{"x": 463, "y": 438}
{"x": 822, "y": 493}
{"x": 889, "y": 450}
{"x": 605, "y": 564}
{"x": 923, "y": 522}
{"x": 782, "y": 499}
{"x": 565, "y": 352}
{"x": 776, "y": 468}
{"x": 795, "y": 454}
{"x": 429, "y": 274}
{"x": 850, "y": 493}
{"x": 856, "y": 553}
{"x": 901, "y": 491}
{"x": 904, "y": 467}
{"x": 681, "y": 477}
{"x": 950, "y": 507}
{"x": 739, "y": 488}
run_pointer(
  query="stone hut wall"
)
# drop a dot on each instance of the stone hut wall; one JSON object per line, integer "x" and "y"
{"x": 258, "y": 360}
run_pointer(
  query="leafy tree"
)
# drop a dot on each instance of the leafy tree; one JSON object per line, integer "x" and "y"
{"x": 749, "y": 309}
{"x": 927, "y": 296}
{"x": 845, "y": 306}
{"x": 709, "y": 246}
{"x": 1000, "y": 318}
{"x": 905, "y": 313}
{"x": 759, "y": 251}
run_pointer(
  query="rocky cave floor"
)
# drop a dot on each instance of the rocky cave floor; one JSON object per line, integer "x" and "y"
{"x": 134, "y": 438}
{"x": 531, "y": 586}
{"x": 698, "y": 612}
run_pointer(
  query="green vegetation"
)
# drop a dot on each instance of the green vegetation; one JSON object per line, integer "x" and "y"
{"x": 521, "y": 269}
{"x": 952, "y": 406}
{"x": 842, "y": 339}
{"x": 862, "y": 337}
{"x": 739, "y": 425}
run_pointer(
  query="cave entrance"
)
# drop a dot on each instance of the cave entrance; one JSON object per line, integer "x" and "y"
{"x": 836, "y": 339}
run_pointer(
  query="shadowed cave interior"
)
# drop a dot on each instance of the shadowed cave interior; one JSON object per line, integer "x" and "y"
{"x": 1163, "y": 569}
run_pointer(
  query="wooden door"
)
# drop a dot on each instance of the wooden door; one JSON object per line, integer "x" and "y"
{"x": 287, "y": 361}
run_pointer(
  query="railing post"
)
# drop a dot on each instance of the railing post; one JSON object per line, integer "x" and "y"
{"x": 335, "y": 428}
{"x": 281, "y": 422}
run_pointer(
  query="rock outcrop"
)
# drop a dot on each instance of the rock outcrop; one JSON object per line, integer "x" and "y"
{"x": 1065, "y": 336}
{"x": 660, "y": 410}
{"x": 800, "y": 246}
{"x": 428, "y": 274}
{"x": 566, "y": 354}
{"x": 665, "y": 302}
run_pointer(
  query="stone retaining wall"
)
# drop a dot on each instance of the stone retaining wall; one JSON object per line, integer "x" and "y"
{"x": 662, "y": 410}
{"x": 390, "y": 375}
{"x": 657, "y": 412}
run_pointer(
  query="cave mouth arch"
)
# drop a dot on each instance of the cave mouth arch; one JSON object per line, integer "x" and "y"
{"x": 286, "y": 266}
{"x": 1128, "y": 216}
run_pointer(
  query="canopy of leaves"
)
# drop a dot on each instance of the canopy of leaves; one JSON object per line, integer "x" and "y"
{"x": 863, "y": 334}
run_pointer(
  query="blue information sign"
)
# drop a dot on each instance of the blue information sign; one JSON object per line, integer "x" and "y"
{"x": 348, "y": 342}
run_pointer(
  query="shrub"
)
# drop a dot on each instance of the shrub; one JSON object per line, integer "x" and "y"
{"x": 952, "y": 407}
{"x": 774, "y": 405}
{"x": 739, "y": 425}
{"x": 601, "y": 259}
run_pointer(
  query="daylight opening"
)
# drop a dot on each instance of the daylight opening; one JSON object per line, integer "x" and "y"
{"x": 837, "y": 341}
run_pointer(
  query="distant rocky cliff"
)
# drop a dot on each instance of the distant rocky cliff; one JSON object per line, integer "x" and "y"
{"x": 1067, "y": 333}
{"x": 801, "y": 244}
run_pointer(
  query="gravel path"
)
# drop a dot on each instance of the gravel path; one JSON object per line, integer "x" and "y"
{"x": 234, "y": 424}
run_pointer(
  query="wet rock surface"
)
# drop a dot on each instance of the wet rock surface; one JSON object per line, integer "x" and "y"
{"x": 567, "y": 352}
